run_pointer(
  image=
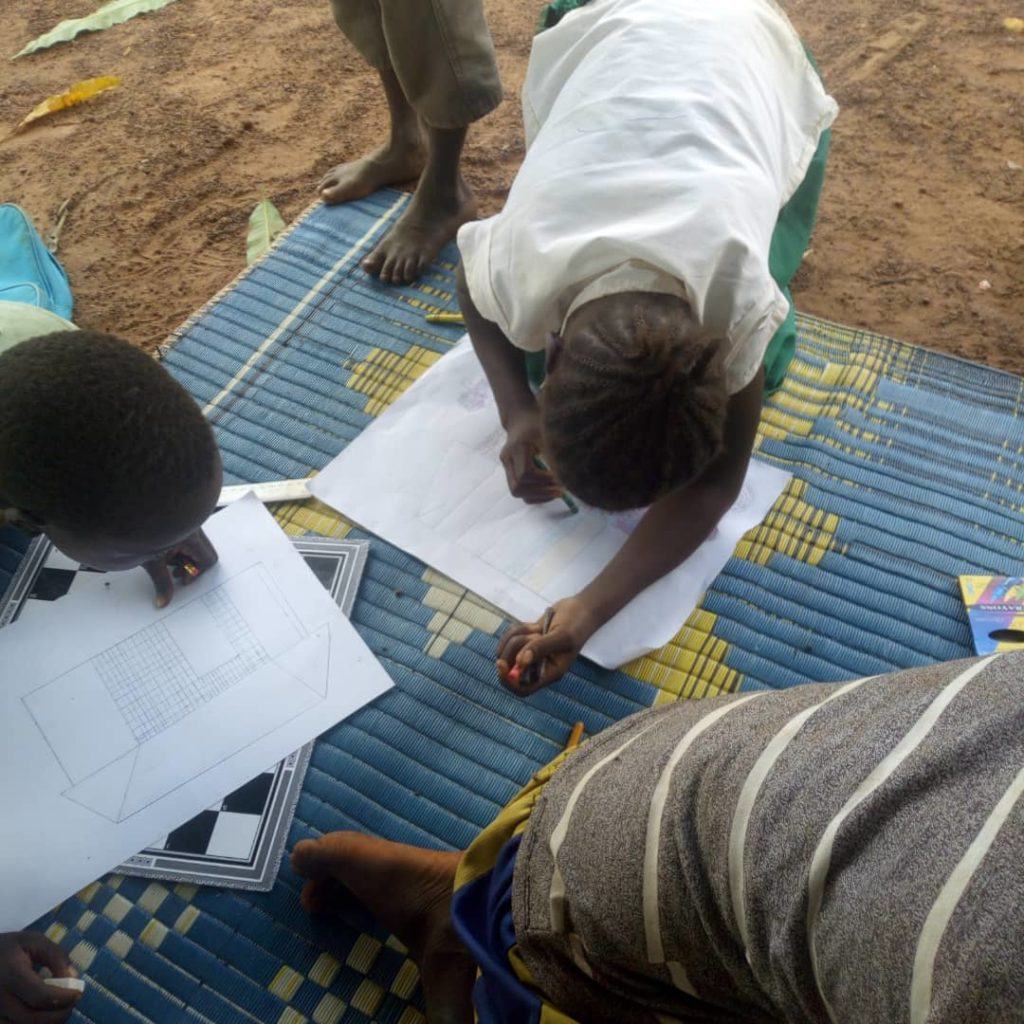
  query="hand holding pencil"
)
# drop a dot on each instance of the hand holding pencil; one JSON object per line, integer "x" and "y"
{"x": 532, "y": 655}
{"x": 528, "y": 475}
{"x": 567, "y": 499}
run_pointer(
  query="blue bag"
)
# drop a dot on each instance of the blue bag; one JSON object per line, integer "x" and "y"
{"x": 29, "y": 272}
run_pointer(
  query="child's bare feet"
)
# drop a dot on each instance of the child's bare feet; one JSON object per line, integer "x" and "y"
{"x": 409, "y": 891}
{"x": 428, "y": 224}
{"x": 392, "y": 164}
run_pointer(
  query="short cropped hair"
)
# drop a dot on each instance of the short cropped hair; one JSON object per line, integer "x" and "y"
{"x": 635, "y": 405}
{"x": 96, "y": 436}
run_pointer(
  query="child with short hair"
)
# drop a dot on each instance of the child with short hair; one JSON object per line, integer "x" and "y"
{"x": 641, "y": 266}
{"x": 105, "y": 452}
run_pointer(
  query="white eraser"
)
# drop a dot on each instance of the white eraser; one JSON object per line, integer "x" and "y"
{"x": 68, "y": 984}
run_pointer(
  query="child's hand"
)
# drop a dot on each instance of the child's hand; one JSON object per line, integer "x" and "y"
{"x": 526, "y": 480}
{"x": 24, "y": 997}
{"x": 525, "y": 645}
{"x": 185, "y": 562}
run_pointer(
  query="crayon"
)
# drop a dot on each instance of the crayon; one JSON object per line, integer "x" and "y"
{"x": 575, "y": 736}
{"x": 67, "y": 984}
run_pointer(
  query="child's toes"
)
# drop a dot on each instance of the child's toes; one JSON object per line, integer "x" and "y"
{"x": 374, "y": 263}
{"x": 409, "y": 269}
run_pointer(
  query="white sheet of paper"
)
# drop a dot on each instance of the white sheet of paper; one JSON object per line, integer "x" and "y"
{"x": 426, "y": 476}
{"x": 119, "y": 721}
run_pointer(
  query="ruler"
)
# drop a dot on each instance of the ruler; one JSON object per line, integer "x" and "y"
{"x": 268, "y": 492}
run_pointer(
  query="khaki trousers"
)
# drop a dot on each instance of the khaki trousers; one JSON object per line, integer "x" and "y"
{"x": 440, "y": 50}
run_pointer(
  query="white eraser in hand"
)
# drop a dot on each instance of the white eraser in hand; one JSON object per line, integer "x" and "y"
{"x": 68, "y": 984}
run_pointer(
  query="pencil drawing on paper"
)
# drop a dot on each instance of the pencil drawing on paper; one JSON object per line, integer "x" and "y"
{"x": 154, "y": 684}
{"x": 159, "y": 692}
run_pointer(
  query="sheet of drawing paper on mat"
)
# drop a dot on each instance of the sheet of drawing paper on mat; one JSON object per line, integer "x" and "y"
{"x": 426, "y": 476}
{"x": 123, "y": 721}
{"x": 239, "y": 841}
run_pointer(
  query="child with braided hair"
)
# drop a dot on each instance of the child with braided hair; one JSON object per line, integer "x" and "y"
{"x": 641, "y": 269}
{"x": 637, "y": 374}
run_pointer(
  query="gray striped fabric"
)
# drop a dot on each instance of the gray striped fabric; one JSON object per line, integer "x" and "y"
{"x": 821, "y": 854}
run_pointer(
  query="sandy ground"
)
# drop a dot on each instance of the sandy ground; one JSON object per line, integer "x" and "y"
{"x": 223, "y": 104}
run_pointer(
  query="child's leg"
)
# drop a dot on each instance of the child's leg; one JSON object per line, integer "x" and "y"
{"x": 442, "y": 203}
{"x": 437, "y": 64}
{"x": 403, "y": 156}
{"x": 444, "y": 58}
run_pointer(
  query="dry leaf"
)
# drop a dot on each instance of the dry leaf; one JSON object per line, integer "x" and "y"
{"x": 1014, "y": 25}
{"x": 78, "y": 93}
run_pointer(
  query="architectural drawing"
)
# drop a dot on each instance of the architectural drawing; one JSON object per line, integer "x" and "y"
{"x": 152, "y": 690}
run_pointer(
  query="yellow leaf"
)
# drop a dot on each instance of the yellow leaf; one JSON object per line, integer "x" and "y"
{"x": 1014, "y": 24}
{"x": 78, "y": 93}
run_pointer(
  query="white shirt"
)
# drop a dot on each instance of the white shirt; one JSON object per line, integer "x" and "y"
{"x": 663, "y": 138}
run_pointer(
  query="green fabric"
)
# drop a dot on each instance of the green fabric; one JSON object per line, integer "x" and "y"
{"x": 551, "y": 14}
{"x": 19, "y": 321}
{"x": 789, "y": 242}
{"x": 535, "y": 368}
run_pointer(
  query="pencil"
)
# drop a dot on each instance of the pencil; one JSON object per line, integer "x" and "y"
{"x": 569, "y": 503}
{"x": 534, "y": 672}
{"x": 575, "y": 736}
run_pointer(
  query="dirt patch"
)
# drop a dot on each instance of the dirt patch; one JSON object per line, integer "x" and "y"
{"x": 223, "y": 104}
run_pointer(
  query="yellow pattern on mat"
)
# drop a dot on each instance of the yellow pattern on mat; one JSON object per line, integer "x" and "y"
{"x": 383, "y": 376}
{"x": 310, "y": 516}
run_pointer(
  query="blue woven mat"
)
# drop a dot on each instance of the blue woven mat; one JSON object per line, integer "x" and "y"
{"x": 907, "y": 470}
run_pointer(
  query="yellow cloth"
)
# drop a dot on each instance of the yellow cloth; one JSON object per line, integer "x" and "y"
{"x": 510, "y": 822}
{"x": 483, "y": 853}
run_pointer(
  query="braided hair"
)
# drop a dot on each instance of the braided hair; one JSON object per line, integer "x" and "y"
{"x": 635, "y": 404}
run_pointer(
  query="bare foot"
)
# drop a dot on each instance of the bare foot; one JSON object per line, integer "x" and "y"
{"x": 430, "y": 221}
{"x": 392, "y": 164}
{"x": 409, "y": 891}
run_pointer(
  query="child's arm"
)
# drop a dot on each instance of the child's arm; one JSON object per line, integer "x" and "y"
{"x": 24, "y": 997}
{"x": 505, "y": 368}
{"x": 671, "y": 530}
